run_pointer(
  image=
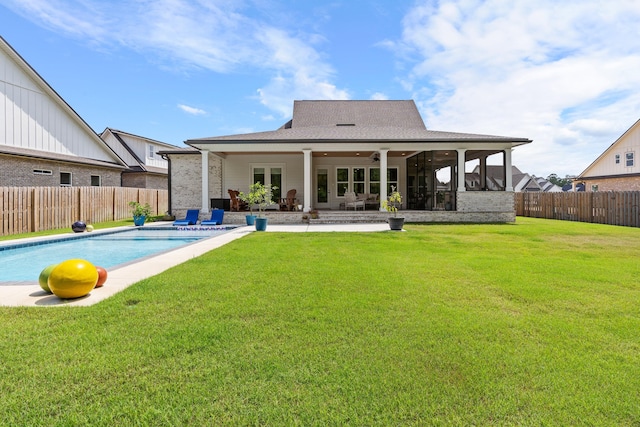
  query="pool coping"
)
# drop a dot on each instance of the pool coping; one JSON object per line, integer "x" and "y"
{"x": 30, "y": 294}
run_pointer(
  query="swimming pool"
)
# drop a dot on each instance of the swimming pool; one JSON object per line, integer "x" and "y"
{"x": 109, "y": 249}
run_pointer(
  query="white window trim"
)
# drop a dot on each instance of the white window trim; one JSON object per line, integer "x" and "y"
{"x": 367, "y": 180}
{"x": 267, "y": 175}
{"x": 627, "y": 159}
{"x": 70, "y": 179}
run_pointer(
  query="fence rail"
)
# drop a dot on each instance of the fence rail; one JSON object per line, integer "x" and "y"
{"x": 611, "y": 207}
{"x": 29, "y": 209}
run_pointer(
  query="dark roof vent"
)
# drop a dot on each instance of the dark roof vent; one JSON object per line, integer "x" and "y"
{"x": 345, "y": 124}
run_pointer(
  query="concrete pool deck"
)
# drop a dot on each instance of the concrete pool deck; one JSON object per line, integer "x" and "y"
{"x": 20, "y": 294}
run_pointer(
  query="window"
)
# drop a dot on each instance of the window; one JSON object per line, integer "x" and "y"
{"x": 42, "y": 172}
{"x": 617, "y": 159}
{"x": 358, "y": 180}
{"x": 342, "y": 181}
{"x": 65, "y": 179}
{"x": 276, "y": 180}
{"x": 95, "y": 180}
{"x": 594, "y": 188}
{"x": 362, "y": 181}
{"x": 392, "y": 179}
{"x": 629, "y": 159}
{"x": 268, "y": 175}
{"x": 374, "y": 180}
{"x": 151, "y": 151}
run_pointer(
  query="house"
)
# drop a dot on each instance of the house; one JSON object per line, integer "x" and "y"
{"x": 329, "y": 148}
{"x": 43, "y": 141}
{"x": 617, "y": 168}
{"x": 146, "y": 168}
{"x": 522, "y": 182}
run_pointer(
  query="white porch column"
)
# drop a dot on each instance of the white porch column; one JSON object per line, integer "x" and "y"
{"x": 383, "y": 177}
{"x": 461, "y": 173}
{"x": 307, "y": 180}
{"x": 205, "y": 181}
{"x": 508, "y": 178}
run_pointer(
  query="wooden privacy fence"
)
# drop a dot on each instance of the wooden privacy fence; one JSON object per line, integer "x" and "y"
{"x": 29, "y": 209}
{"x": 611, "y": 207}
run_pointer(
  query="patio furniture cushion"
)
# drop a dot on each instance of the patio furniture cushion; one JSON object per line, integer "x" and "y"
{"x": 216, "y": 218}
{"x": 190, "y": 219}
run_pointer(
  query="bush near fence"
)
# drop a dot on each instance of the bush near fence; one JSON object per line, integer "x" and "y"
{"x": 30, "y": 209}
{"x": 610, "y": 207}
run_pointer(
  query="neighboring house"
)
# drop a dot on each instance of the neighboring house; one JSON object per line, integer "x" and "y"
{"x": 522, "y": 182}
{"x": 329, "y": 148}
{"x": 43, "y": 141}
{"x": 147, "y": 168}
{"x": 546, "y": 185}
{"x": 617, "y": 169}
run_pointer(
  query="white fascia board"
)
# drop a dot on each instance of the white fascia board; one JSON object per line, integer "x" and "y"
{"x": 343, "y": 146}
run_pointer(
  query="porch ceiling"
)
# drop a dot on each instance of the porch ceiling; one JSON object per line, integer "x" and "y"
{"x": 363, "y": 154}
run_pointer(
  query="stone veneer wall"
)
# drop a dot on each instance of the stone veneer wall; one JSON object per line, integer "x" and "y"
{"x": 17, "y": 171}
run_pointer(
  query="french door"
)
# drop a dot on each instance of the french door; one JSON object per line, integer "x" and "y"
{"x": 322, "y": 196}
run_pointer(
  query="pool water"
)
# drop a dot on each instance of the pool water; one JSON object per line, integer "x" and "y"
{"x": 24, "y": 262}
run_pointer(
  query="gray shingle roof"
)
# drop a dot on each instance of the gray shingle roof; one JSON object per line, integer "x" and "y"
{"x": 350, "y": 121}
{"x": 38, "y": 154}
{"x": 401, "y": 114}
{"x": 355, "y": 133}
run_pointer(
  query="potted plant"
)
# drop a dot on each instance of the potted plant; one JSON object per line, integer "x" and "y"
{"x": 391, "y": 205}
{"x": 139, "y": 212}
{"x": 250, "y": 199}
{"x": 259, "y": 194}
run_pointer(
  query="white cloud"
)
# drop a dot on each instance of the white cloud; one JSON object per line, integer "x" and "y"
{"x": 215, "y": 36}
{"x": 88, "y": 20}
{"x": 191, "y": 110}
{"x": 379, "y": 96}
{"x": 302, "y": 73}
{"x": 560, "y": 73}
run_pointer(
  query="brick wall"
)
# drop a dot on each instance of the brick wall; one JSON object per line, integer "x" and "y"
{"x": 631, "y": 183}
{"x": 134, "y": 180}
{"x": 18, "y": 172}
{"x": 159, "y": 182}
{"x": 145, "y": 180}
{"x": 486, "y": 201}
{"x": 186, "y": 181}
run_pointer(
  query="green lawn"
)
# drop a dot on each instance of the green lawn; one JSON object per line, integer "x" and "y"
{"x": 96, "y": 226}
{"x": 534, "y": 323}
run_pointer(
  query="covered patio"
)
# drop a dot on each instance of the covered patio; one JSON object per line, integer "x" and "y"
{"x": 331, "y": 148}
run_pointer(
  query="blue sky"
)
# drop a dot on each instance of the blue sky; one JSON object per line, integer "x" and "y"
{"x": 563, "y": 73}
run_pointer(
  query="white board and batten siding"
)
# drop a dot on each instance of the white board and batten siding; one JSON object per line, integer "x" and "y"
{"x": 606, "y": 164}
{"x": 34, "y": 117}
{"x": 140, "y": 147}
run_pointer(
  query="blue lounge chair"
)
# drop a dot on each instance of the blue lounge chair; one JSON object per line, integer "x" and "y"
{"x": 216, "y": 218}
{"x": 190, "y": 219}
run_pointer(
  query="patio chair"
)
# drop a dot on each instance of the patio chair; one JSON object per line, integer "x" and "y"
{"x": 351, "y": 201}
{"x": 236, "y": 204}
{"x": 190, "y": 219}
{"x": 288, "y": 203}
{"x": 216, "y": 218}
